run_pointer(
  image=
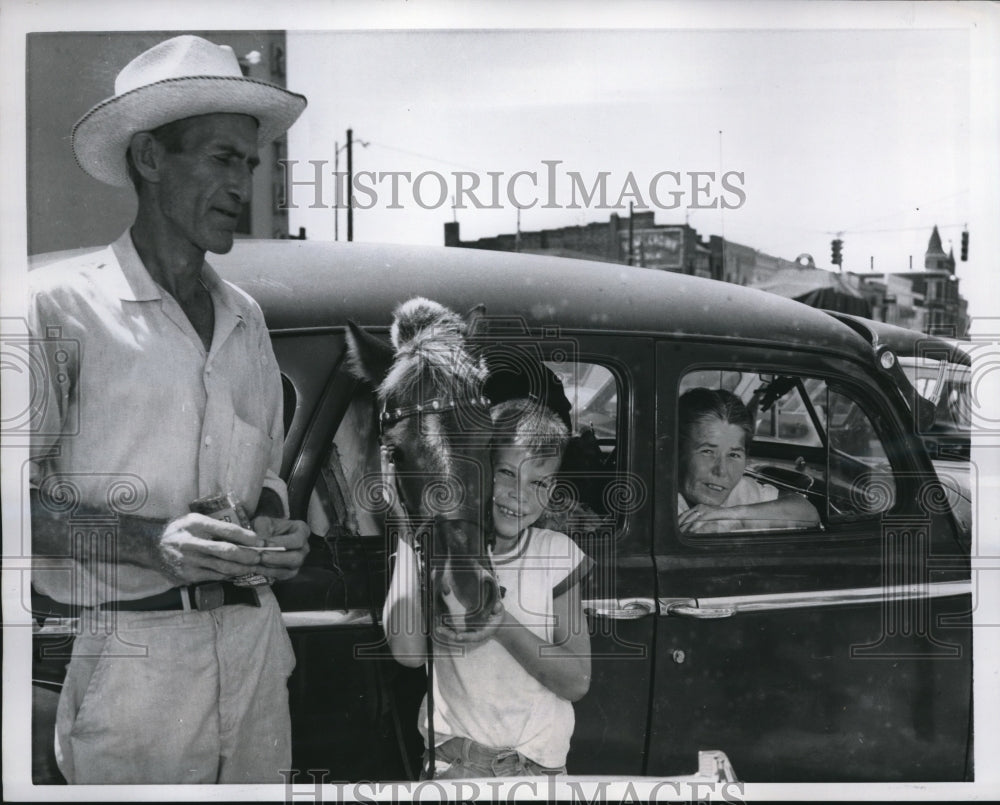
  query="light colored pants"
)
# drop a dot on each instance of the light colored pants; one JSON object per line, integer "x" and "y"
{"x": 178, "y": 697}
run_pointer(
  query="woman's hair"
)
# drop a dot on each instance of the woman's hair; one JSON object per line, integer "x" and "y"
{"x": 699, "y": 404}
{"x": 528, "y": 424}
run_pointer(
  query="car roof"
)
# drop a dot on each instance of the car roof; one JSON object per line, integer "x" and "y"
{"x": 909, "y": 343}
{"x": 315, "y": 284}
{"x": 304, "y": 285}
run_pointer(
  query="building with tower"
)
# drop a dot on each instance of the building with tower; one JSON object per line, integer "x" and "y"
{"x": 933, "y": 303}
{"x": 927, "y": 301}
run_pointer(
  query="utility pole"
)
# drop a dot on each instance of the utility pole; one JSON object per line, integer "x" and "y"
{"x": 631, "y": 249}
{"x": 350, "y": 188}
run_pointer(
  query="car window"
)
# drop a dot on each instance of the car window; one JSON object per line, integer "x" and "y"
{"x": 811, "y": 437}
{"x": 945, "y": 384}
{"x": 584, "y": 502}
{"x": 346, "y": 499}
{"x": 289, "y": 399}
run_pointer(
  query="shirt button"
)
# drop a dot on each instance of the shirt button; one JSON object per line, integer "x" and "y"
{"x": 208, "y": 441}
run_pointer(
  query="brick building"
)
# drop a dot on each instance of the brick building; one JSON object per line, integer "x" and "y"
{"x": 927, "y": 301}
{"x": 638, "y": 241}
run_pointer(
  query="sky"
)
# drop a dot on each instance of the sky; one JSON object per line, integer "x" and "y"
{"x": 862, "y": 132}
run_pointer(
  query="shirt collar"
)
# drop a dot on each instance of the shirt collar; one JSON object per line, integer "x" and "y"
{"x": 223, "y": 293}
{"x": 139, "y": 286}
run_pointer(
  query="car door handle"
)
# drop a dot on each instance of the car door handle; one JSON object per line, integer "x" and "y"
{"x": 625, "y": 609}
{"x": 690, "y": 609}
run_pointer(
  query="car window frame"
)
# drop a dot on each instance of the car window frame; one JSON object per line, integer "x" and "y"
{"x": 865, "y": 389}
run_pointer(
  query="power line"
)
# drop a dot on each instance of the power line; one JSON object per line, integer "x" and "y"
{"x": 422, "y": 156}
{"x": 895, "y": 229}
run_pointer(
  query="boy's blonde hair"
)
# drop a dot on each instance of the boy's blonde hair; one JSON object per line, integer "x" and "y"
{"x": 528, "y": 424}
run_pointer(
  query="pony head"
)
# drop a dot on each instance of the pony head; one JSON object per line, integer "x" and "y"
{"x": 435, "y": 429}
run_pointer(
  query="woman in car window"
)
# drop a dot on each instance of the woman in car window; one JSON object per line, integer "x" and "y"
{"x": 715, "y": 433}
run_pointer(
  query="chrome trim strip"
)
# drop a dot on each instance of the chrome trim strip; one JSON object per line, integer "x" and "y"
{"x": 823, "y": 598}
{"x": 328, "y": 617}
{"x": 292, "y": 620}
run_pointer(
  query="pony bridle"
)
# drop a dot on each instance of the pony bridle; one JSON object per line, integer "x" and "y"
{"x": 435, "y": 405}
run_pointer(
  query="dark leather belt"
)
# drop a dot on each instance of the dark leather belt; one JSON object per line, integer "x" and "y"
{"x": 209, "y": 595}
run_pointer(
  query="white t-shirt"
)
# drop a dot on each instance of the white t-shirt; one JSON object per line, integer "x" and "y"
{"x": 484, "y": 693}
{"x": 746, "y": 492}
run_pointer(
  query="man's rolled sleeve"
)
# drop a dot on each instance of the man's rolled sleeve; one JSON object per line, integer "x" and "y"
{"x": 272, "y": 477}
{"x": 51, "y": 368}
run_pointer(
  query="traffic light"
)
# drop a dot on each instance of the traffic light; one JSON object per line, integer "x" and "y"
{"x": 965, "y": 246}
{"x": 836, "y": 258}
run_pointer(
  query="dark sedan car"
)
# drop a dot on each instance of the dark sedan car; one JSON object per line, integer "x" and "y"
{"x": 838, "y": 651}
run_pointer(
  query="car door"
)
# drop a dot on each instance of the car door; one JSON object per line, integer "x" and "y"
{"x": 609, "y": 381}
{"x": 840, "y": 652}
{"x": 344, "y": 688}
{"x": 354, "y": 709}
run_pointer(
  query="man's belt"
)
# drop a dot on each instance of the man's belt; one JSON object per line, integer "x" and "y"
{"x": 205, "y": 596}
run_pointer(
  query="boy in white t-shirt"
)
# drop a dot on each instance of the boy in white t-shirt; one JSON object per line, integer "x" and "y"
{"x": 503, "y": 694}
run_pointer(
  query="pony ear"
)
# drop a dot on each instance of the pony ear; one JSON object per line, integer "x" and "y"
{"x": 368, "y": 358}
{"x": 476, "y": 321}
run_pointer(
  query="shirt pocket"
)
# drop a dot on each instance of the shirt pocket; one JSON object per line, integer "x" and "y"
{"x": 249, "y": 456}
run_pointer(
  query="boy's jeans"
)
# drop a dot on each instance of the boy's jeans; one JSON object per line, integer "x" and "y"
{"x": 461, "y": 757}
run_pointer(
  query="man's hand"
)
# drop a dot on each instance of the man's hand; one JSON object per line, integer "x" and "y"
{"x": 195, "y": 548}
{"x": 292, "y": 535}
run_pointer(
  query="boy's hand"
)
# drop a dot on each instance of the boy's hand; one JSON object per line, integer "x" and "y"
{"x": 449, "y": 635}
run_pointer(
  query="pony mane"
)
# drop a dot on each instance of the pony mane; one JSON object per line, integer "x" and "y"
{"x": 422, "y": 318}
{"x": 430, "y": 354}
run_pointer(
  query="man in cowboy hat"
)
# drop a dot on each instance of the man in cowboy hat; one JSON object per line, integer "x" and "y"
{"x": 179, "y": 672}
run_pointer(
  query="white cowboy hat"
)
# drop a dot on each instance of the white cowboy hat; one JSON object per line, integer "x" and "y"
{"x": 181, "y": 77}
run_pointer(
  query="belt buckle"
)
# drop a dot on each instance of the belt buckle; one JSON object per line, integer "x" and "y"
{"x": 209, "y": 596}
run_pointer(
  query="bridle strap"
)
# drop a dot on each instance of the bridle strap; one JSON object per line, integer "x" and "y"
{"x": 426, "y": 605}
{"x": 436, "y": 405}
{"x": 387, "y": 418}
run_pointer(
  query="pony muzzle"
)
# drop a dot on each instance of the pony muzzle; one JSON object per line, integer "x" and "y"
{"x": 465, "y": 592}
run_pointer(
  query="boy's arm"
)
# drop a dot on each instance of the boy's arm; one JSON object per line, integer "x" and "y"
{"x": 403, "y": 617}
{"x": 563, "y": 666}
